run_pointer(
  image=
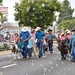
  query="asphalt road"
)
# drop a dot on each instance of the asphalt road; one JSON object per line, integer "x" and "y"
{"x": 51, "y": 64}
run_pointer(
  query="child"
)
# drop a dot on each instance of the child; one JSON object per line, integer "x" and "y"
{"x": 30, "y": 47}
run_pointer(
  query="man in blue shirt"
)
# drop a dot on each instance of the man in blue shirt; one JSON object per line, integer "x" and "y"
{"x": 25, "y": 36}
{"x": 39, "y": 36}
{"x": 72, "y": 43}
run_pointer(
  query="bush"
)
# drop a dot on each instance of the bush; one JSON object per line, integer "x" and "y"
{"x": 6, "y": 47}
{"x": 1, "y": 48}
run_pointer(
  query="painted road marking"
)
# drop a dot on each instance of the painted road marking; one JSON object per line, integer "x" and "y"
{"x": 9, "y": 65}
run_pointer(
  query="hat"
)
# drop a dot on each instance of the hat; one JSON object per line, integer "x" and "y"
{"x": 38, "y": 28}
{"x": 49, "y": 30}
{"x": 58, "y": 30}
{"x": 73, "y": 30}
{"x": 68, "y": 32}
{"x": 24, "y": 29}
{"x": 62, "y": 34}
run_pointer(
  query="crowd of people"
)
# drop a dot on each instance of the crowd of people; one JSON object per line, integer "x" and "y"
{"x": 38, "y": 42}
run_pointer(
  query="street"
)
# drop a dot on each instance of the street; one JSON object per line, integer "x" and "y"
{"x": 51, "y": 64}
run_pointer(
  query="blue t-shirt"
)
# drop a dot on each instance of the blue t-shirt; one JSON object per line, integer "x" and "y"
{"x": 24, "y": 36}
{"x": 51, "y": 36}
{"x": 72, "y": 40}
{"x": 31, "y": 43}
{"x": 40, "y": 35}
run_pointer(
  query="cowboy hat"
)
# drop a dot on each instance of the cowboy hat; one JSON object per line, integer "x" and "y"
{"x": 49, "y": 30}
{"x": 62, "y": 34}
{"x": 38, "y": 28}
{"x": 73, "y": 30}
{"x": 68, "y": 31}
{"x": 24, "y": 29}
{"x": 58, "y": 30}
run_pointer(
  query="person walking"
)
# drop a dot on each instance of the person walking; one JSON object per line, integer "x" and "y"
{"x": 72, "y": 42}
{"x": 68, "y": 37}
{"x": 39, "y": 36}
{"x": 24, "y": 36}
{"x": 35, "y": 49}
{"x": 30, "y": 47}
{"x": 63, "y": 46}
{"x": 50, "y": 37}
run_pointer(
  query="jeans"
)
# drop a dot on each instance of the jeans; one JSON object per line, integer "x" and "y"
{"x": 40, "y": 47}
{"x": 30, "y": 52}
{"x": 50, "y": 44}
{"x": 25, "y": 51}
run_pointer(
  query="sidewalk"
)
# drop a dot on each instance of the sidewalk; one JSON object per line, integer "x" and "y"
{"x": 5, "y": 52}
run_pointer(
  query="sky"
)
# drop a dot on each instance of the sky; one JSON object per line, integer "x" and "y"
{"x": 10, "y": 4}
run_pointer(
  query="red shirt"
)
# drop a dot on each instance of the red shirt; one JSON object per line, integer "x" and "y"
{"x": 69, "y": 36}
{"x": 62, "y": 38}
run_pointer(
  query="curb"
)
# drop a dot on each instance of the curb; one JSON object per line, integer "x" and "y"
{"x": 5, "y": 52}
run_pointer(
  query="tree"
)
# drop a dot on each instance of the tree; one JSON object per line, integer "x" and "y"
{"x": 36, "y": 12}
{"x": 3, "y": 18}
{"x": 1, "y": 2}
{"x": 0, "y": 12}
{"x": 0, "y": 5}
{"x": 67, "y": 24}
{"x": 66, "y": 13}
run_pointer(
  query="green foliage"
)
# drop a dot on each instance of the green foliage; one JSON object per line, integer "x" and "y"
{"x": 66, "y": 13}
{"x": 6, "y": 46}
{"x": 67, "y": 24}
{"x": 3, "y": 18}
{"x": 35, "y": 13}
{"x": 1, "y": 2}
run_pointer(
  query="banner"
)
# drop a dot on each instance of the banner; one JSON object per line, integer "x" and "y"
{"x": 4, "y": 10}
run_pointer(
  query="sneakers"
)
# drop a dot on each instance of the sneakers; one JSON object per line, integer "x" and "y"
{"x": 41, "y": 56}
{"x": 51, "y": 52}
{"x": 23, "y": 59}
